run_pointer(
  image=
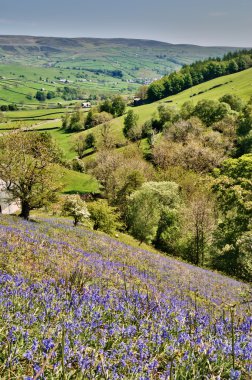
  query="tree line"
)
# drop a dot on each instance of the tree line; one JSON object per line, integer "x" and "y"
{"x": 199, "y": 72}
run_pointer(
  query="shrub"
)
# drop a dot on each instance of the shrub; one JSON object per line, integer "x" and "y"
{"x": 75, "y": 207}
{"x": 78, "y": 165}
{"x": 105, "y": 217}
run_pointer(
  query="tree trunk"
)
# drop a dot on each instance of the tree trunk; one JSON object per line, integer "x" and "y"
{"x": 25, "y": 210}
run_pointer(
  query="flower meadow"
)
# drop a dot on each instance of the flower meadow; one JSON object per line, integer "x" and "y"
{"x": 77, "y": 304}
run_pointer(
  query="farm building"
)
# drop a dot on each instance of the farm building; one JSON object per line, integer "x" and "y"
{"x": 138, "y": 102}
{"x": 86, "y": 105}
{"x": 7, "y": 206}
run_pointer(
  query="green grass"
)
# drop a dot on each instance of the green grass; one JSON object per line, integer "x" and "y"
{"x": 18, "y": 82}
{"x": 45, "y": 113}
{"x": 89, "y": 66}
{"x": 75, "y": 182}
{"x": 239, "y": 84}
{"x": 65, "y": 141}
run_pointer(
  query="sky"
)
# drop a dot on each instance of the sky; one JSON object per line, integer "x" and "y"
{"x": 200, "y": 22}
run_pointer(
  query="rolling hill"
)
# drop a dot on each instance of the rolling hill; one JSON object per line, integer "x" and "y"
{"x": 95, "y": 66}
{"x": 238, "y": 83}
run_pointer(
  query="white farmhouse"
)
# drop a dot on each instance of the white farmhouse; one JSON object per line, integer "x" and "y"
{"x": 7, "y": 206}
{"x": 86, "y": 105}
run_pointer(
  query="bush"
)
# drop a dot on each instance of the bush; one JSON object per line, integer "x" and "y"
{"x": 75, "y": 207}
{"x": 105, "y": 217}
{"x": 78, "y": 165}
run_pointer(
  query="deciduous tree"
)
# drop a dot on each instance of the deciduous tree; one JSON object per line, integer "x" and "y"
{"x": 27, "y": 169}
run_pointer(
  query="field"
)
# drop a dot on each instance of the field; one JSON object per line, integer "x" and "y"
{"x": 93, "y": 66}
{"x": 239, "y": 84}
{"x": 48, "y": 119}
{"x": 80, "y": 305}
{"x": 75, "y": 182}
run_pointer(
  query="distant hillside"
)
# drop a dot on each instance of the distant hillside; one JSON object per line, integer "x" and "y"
{"x": 137, "y": 59}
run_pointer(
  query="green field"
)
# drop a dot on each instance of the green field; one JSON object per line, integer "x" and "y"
{"x": 94, "y": 66}
{"x": 19, "y": 84}
{"x": 50, "y": 120}
{"x": 75, "y": 182}
{"x": 239, "y": 84}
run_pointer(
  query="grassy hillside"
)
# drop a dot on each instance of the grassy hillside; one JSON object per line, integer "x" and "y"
{"x": 239, "y": 84}
{"x": 49, "y": 119}
{"x": 78, "y": 304}
{"x": 96, "y": 66}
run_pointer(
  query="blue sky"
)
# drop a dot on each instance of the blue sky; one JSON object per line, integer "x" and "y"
{"x": 202, "y": 22}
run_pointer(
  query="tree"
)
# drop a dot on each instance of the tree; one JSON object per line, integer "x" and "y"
{"x": 155, "y": 91}
{"x": 146, "y": 207}
{"x": 191, "y": 154}
{"x": 142, "y": 92}
{"x": 115, "y": 106}
{"x": 233, "y": 188}
{"x": 234, "y": 101}
{"x": 89, "y": 119}
{"x": 113, "y": 169}
{"x": 106, "y": 106}
{"x": 90, "y": 141}
{"x": 186, "y": 110}
{"x": 97, "y": 118}
{"x": 82, "y": 143}
{"x": 65, "y": 121}
{"x": 76, "y": 122}
{"x": 27, "y": 168}
{"x": 133, "y": 181}
{"x": 130, "y": 123}
{"x": 106, "y": 138}
{"x": 75, "y": 207}
{"x": 79, "y": 146}
{"x": 50, "y": 95}
{"x": 198, "y": 220}
{"x": 245, "y": 121}
{"x": 232, "y": 67}
{"x": 40, "y": 96}
{"x": 105, "y": 217}
{"x": 118, "y": 106}
{"x": 168, "y": 231}
{"x": 167, "y": 115}
{"x": 211, "y": 111}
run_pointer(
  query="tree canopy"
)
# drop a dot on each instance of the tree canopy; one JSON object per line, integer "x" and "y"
{"x": 27, "y": 168}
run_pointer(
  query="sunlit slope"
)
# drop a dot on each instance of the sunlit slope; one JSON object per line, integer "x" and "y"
{"x": 239, "y": 84}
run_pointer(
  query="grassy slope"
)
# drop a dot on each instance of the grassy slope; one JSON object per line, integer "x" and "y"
{"x": 239, "y": 84}
{"x": 75, "y": 182}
